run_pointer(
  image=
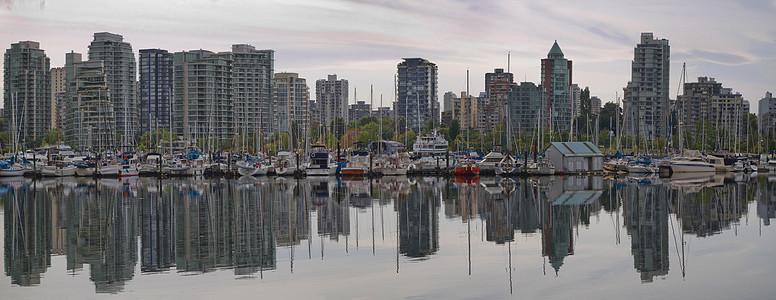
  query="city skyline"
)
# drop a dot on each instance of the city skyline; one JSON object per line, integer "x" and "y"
{"x": 362, "y": 41}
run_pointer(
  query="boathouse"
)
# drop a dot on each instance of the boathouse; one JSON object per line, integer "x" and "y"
{"x": 575, "y": 157}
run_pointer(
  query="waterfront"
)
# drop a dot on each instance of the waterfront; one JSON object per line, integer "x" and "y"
{"x": 422, "y": 237}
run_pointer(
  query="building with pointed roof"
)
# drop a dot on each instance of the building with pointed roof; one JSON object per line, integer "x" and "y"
{"x": 556, "y": 84}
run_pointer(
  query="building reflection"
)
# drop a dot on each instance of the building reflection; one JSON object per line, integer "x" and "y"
{"x": 220, "y": 225}
{"x": 331, "y": 205}
{"x": 27, "y": 213}
{"x": 419, "y": 222}
{"x": 645, "y": 213}
{"x": 568, "y": 203}
{"x": 102, "y": 232}
{"x": 198, "y": 226}
{"x": 157, "y": 228}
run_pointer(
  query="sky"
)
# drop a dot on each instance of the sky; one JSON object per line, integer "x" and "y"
{"x": 363, "y": 41}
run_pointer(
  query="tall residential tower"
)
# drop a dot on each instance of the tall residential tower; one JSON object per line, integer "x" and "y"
{"x": 646, "y": 98}
{"x": 556, "y": 83}
{"x": 121, "y": 74}
{"x": 27, "y": 77}
{"x": 417, "y": 99}
{"x": 331, "y": 95}
{"x": 156, "y": 88}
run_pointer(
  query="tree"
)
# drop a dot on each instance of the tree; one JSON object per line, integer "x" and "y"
{"x": 453, "y": 129}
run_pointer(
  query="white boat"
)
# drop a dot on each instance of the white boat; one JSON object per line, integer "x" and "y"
{"x": 176, "y": 167}
{"x": 252, "y": 168}
{"x": 126, "y": 168}
{"x": 14, "y": 171}
{"x": 394, "y": 165}
{"x": 490, "y": 162}
{"x": 58, "y": 169}
{"x": 320, "y": 162}
{"x": 685, "y": 164}
{"x": 286, "y": 164}
{"x": 541, "y": 167}
{"x": 152, "y": 164}
{"x": 636, "y": 168}
{"x": 431, "y": 144}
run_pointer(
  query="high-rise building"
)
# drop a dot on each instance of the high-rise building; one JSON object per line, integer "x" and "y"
{"x": 121, "y": 74}
{"x": 203, "y": 106}
{"x": 291, "y": 99}
{"x": 359, "y": 110}
{"x": 448, "y": 101}
{"x": 156, "y": 89}
{"x": 253, "y": 71}
{"x": 595, "y": 106}
{"x": 58, "y": 91}
{"x": 497, "y": 92}
{"x": 417, "y": 99}
{"x": 331, "y": 96}
{"x": 767, "y": 114}
{"x": 646, "y": 99}
{"x": 706, "y": 101}
{"x": 27, "y": 78}
{"x": 466, "y": 111}
{"x": 526, "y": 104}
{"x": 556, "y": 83}
{"x": 576, "y": 104}
{"x": 89, "y": 121}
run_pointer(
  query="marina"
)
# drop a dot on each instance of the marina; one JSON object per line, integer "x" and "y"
{"x": 464, "y": 237}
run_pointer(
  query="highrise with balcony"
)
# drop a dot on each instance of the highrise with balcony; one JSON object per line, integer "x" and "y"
{"x": 203, "y": 103}
{"x": 331, "y": 96}
{"x": 646, "y": 98}
{"x": 291, "y": 99}
{"x": 417, "y": 99}
{"x": 252, "y": 73}
{"x": 121, "y": 74}
{"x": 27, "y": 77}
{"x": 497, "y": 89}
{"x": 89, "y": 114}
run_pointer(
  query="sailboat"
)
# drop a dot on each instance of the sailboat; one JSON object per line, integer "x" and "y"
{"x": 466, "y": 166}
{"x": 286, "y": 165}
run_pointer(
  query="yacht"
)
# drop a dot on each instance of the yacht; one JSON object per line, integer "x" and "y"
{"x": 431, "y": 144}
{"x": 252, "y": 167}
{"x": 286, "y": 164}
{"x": 320, "y": 162}
{"x": 684, "y": 164}
{"x": 540, "y": 167}
{"x": 152, "y": 165}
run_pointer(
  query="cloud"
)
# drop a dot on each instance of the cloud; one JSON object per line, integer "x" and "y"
{"x": 722, "y": 58}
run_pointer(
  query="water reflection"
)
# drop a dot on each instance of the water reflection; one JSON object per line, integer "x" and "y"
{"x": 199, "y": 226}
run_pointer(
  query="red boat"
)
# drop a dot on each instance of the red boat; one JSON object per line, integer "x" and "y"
{"x": 466, "y": 167}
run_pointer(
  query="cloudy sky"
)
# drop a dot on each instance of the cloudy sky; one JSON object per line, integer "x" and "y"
{"x": 363, "y": 40}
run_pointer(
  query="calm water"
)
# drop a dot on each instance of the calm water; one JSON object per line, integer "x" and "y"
{"x": 562, "y": 238}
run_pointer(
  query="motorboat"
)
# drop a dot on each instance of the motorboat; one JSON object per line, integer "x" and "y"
{"x": 152, "y": 164}
{"x": 58, "y": 169}
{"x": 685, "y": 164}
{"x": 126, "y": 168}
{"x": 466, "y": 167}
{"x": 320, "y": 162}
{"x": 286, "y": 164}
{"x": 358, "y": 164}
{"x": 252, "y": 167}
